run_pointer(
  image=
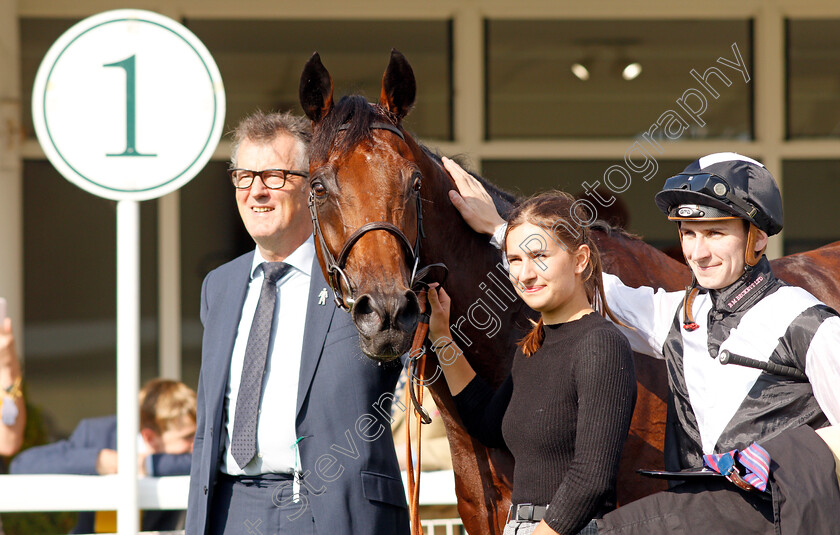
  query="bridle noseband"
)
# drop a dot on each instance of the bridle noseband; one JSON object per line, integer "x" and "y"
{"x": 335, "y": 266}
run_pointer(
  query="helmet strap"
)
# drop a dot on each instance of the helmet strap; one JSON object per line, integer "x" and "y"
{"x": 691, "y": 292}
{"x": 688, "y": 302}
{"x": 751, "y": 256}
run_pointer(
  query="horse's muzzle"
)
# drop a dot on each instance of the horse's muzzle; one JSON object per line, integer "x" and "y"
{"x": 386, "y": 323}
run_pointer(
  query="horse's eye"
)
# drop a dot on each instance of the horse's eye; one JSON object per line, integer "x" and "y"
{"x": 418, "y": 181}
{"x": 319, "y": 189}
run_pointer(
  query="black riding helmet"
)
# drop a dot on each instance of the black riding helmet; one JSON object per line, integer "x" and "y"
{"x": 720, "y": 186}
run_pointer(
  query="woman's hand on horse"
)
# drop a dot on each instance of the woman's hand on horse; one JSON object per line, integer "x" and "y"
{"x": 472, "y": 200}
{"x": 439, "y": 303}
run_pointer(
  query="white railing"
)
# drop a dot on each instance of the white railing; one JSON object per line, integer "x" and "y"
{"x": 49, "y": 492}
{"x": 436, "y": 488}
{"x": 449, "y": 526}
{"x": 42, "y": 492}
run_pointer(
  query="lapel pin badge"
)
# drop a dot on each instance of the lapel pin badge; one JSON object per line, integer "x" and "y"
{"x": 322, "y": 297}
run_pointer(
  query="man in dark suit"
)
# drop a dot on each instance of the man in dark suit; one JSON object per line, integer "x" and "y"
{"x": 167, "y": 428}
{"x": 293, "y": 421}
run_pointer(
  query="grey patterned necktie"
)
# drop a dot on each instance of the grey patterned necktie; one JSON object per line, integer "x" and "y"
{"x": 243, "y": 445}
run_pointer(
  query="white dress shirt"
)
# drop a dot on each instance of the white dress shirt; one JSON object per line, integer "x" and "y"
{"x": 276, "y": 436}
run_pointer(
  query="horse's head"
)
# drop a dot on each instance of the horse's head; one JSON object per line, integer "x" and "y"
{"x": 365, "y": 203}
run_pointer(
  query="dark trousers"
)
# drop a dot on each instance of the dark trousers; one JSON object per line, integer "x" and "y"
{"x": 715, "y": 506}
{"x": 262, "y": 505}
{"x": 805, "y": 498}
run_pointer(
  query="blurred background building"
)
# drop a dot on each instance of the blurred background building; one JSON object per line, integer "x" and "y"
{"x": 533, "y": 94}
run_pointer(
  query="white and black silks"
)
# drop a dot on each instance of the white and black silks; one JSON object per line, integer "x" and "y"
{"x": 714, "y": 407}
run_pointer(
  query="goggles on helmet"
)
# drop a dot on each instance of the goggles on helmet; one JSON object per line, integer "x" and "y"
{"x": 712, "y": 185}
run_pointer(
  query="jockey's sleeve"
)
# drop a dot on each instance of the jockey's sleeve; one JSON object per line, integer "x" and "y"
{"x": 648, "y": 314}
{"x": 822, "y": 366}
{"x": 497, "y": 240}
{"x": 498, "y": 237}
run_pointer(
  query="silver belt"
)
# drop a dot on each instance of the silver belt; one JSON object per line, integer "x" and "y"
{"x": 526, "y": 512}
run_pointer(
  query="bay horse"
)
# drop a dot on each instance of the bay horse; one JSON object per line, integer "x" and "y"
{"x": 381, "y": 212}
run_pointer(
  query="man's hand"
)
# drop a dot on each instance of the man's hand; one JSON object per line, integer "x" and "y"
{"x": 106, "y": 463}
{"x": 141, "y": 463}
{"x": 472, "y": 200}
{"x": 9, "y": 364}
{"x": 11, "y": 395}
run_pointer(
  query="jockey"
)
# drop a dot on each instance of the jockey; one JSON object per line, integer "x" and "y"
{"x": 726, "y": 206}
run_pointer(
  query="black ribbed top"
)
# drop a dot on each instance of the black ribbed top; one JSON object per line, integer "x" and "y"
{"x": 564, "y": 413}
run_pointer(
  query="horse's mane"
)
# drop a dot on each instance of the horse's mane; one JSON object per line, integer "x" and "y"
{"x": 612, "y": 230}
{"x": 504, "y": 200}
{"x": 359, "y": 114}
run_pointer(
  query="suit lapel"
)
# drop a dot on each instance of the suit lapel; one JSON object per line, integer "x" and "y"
{"x": 318, "y": 320}
{"x": 225, "y": 323}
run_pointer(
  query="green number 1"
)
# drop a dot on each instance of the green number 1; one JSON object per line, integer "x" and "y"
{"x": 130, "y": 108}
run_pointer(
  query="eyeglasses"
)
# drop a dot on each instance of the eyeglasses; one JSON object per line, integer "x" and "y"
{"x": 271, "y": 178}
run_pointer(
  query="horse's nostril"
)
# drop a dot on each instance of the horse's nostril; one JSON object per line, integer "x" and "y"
{"x": 362, "y": 306}
{"x": 407, "y": 312}
{"x": 368, "y": 316}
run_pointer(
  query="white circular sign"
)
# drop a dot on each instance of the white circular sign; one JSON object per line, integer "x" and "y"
{"x": 128, "y": 105}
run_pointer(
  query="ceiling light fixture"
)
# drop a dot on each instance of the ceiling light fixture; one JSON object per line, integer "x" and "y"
{"x": 631, "y": 71}
{"x": 580, "y": 70}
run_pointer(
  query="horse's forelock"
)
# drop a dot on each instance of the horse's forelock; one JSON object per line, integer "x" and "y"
{"x": 358, "y": 114}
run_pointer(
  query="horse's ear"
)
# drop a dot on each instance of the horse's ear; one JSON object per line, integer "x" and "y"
{"x": 398, "y": 86}
{"x": 316, "y": 89}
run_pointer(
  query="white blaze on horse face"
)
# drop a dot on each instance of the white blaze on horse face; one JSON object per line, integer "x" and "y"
{"x": 714, "y": 251}
{"x": 278, "y": 220}
{"x": 548, "y": 277}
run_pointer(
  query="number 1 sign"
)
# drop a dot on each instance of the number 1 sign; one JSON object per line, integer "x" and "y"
{"x": 128, "y": 105}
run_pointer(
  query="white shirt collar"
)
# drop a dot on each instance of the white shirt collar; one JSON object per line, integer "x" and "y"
{"x": 301, "y": 258}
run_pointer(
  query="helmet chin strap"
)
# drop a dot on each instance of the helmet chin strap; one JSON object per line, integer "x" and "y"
{"x": 691, "y": 292}
{"x": 751, "y": 256}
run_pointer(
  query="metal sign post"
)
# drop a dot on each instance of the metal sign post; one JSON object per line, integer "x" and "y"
{"x": 128, "y": 105}
{"x": 128, "y": 360}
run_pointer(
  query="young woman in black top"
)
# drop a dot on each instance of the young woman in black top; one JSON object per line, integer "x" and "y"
{"x": 565, "y": 409}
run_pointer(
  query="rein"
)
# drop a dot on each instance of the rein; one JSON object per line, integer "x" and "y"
{"x": 414, "y": 400}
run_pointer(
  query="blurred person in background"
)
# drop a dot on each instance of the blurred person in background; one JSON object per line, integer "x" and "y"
{"x": 11, "y": 397}
{"x": 167, "y": 430}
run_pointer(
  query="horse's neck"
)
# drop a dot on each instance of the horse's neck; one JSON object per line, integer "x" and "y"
{"x": 485, "y": 309}
{"x": 816, "y": 271}
{"x": 637, "y": 263}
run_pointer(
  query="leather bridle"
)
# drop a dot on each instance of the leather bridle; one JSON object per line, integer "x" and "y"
{"x": 417, "y": 356}
{"x": 335, "y": 265}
